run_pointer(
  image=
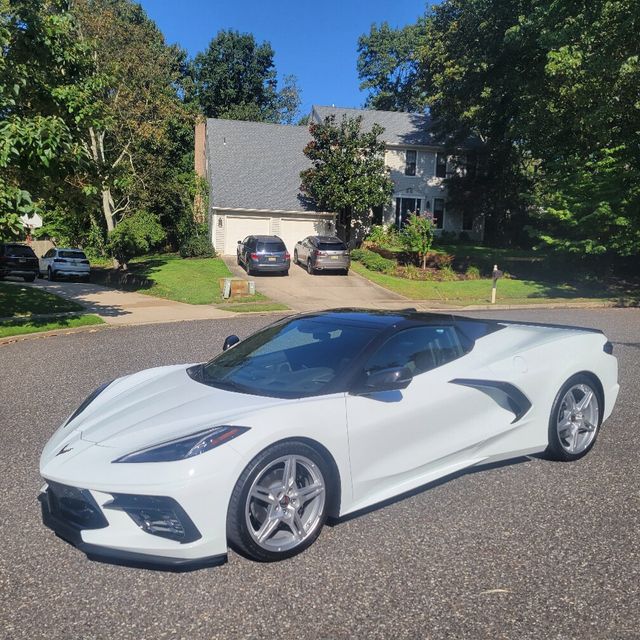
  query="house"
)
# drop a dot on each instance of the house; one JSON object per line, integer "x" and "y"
{"x": 418, "y": 166}
{"x": 254, "y": 169}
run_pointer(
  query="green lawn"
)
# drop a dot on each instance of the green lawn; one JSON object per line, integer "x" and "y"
{"x": 192, "y": 280}
{"x": 468, "y": 292}
{"x": 19, "y": 300}
{"x": 18, "y": 303}
{"x": 20, "y": 327}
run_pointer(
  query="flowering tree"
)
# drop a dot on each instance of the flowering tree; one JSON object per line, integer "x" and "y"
{"x": 417, "y": 236}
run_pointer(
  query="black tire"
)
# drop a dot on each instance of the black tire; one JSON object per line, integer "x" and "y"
{"x": 310, "y": 270}
{"x": 346, "y": 272}
{"x": 237, "y": 529}
{"x": 238, "y": 259}
{"x": 555, "y": 450}
{"x": 295, "y": 256}
{"x": 51, "y": 274}
{"x": 30, "y": 278}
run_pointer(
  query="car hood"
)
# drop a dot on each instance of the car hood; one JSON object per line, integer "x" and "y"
{"x": 154, "y": 406}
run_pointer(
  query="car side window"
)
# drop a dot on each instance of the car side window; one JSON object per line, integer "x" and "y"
{"x": 418, "y": 348}
{"x": 49, "y": 253}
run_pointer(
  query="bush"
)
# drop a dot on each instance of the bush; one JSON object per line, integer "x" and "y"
{"x": 472, "y": 273}
{"x": 197, "y": 247}
{"x": 383, "y": 236}
{"x": 134, "y": 236}
{"x": 439, "y": 260}
{"x": 447, "y": 273}
{"x": 373, "y": 261}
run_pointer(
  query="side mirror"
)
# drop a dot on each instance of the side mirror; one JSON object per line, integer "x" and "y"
{"x": 390, "y": 379}
{"x": 239, "y": 241}
{"x": 229, "y": 341}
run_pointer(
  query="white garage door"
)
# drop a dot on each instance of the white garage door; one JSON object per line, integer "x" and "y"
{"x": 292, "y": 230}
{"x": 239, "y": 227}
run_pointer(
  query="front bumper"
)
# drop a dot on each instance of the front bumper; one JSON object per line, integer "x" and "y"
{"x": 90, "y": 518}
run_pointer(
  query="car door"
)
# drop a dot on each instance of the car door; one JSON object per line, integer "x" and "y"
{"x": 45, "y": 261}
{"x": 402, "y": 439}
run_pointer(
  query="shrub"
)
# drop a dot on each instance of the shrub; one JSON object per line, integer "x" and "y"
{"x": 383, "y": 236}
{"x": 439, "y": 260}
{"x": 472, "y": 273}
{"x": 135, "y": 235}
{"x": 447, "y": 273}
{"x": 197, "y": 246}
{"x": 373, "y": 261}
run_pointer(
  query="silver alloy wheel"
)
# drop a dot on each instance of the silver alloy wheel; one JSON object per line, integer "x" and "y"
{"x": 285, "y": 503}
{"x": 578, "y": 418}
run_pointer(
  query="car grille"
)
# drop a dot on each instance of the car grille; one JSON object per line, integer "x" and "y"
{"x": 74, "y": 506}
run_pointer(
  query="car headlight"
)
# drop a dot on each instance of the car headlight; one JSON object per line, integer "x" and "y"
{"x": 185, "y": 447}
{"x": 87, "y": 401}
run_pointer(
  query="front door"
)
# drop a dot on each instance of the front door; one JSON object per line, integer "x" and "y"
{"x": 404, "y": 208}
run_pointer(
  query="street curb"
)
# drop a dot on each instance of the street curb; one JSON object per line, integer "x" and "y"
{"x": 55, "y": 332}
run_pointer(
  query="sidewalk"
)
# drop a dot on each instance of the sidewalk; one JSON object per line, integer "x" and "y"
{"x": 125, "y": 307}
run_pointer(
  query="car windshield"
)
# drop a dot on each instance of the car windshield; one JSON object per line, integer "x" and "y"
{"x": 78, "y": 255}
{"x": 271, "y": 247}
{"x": 331, "y": 246}
{"x": 297, "y": 358}
{"x": 19, "y": 251}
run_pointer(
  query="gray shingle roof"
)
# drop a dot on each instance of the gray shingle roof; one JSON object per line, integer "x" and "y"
{"x": 253, "y": 165}
{"x": 399, "y": 128}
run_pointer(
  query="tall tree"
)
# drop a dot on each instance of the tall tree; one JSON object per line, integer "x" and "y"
{"x": 46, "y": 80}
{"x": 236, "y": 78}
{"x": 388, "y": 66}
{"x": 348, "y": 174}
{"x": 140, "y": 101}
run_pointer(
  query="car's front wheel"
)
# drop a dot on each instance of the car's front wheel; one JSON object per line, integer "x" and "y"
{"x": 279, "y": 504}
{"x": 51, "y": 274}
{"x": 575, "y": 419}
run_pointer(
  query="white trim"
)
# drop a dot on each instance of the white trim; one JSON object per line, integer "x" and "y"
{"x": 309, "y": 214}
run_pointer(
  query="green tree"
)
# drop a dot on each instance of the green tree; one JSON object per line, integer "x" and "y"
{"x": 137, "y": 234}
{"x": 348, "y": 174}
{"x": 388, "y": 66}
{"x": 236, "y": 78}
{"x": 46, "y": 76}
{"x": 417, "y": 236}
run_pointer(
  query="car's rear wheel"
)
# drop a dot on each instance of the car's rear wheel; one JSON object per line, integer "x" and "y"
{"x": 575, "y": 419}
{"x": 279, "y": 504}
{"x": 51, "y": 275}
{"x": 295, "y": 256}
{"x": 310, "y": 268}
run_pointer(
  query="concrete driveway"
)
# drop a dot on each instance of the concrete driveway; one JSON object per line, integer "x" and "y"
{"x": 127, "y": 307}
{"x": 303, "y": 292}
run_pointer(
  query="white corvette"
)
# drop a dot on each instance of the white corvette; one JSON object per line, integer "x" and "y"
{"x": 315, "y": 416}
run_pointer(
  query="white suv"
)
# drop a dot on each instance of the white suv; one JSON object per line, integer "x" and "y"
{"x": 64, "y": 262}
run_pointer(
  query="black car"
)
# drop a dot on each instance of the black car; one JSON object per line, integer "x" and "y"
{"x": 263, "y": 254}
{"x": 18, "y": 260}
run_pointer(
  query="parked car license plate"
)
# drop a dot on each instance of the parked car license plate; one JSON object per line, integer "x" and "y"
{"x": 271, "y": 259}
{"x": 335, "y": 257}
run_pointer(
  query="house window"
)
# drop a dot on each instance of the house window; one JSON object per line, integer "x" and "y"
{"x": 467, "y": 220}
{"x": 411, "y": 156}
{"x": 404, "y": 208}
{"x": 438, "y": 212}
{"x": 441, "y": 165}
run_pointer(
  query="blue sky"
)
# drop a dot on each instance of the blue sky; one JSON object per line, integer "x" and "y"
{"x": 315, "y": 41}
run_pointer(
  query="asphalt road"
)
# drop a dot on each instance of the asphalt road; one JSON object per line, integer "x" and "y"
{"x": 529, "y": 550}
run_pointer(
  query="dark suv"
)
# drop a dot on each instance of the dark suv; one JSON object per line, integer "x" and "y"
{"x": 263, "y": 254}
{"x": 18, "y": 260}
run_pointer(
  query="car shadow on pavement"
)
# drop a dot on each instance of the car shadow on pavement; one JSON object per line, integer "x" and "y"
{"x": 332, "y": 522}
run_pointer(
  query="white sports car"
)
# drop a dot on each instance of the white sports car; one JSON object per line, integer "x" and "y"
{"x": 315, "y": 416}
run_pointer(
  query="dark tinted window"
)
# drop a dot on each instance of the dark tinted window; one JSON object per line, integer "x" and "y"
{"x": 331, "y": 246}
{"x": 419, "y": 348}
{"x": 297, "y": 358}
{"x": 78, "y": 255}
{"x": 410, "y": 166}
{"x": 271, "y": 247}
{"x": 19, "y": 251}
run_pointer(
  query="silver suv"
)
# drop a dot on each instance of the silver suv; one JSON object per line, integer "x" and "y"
{"x": 322, "y": 253}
